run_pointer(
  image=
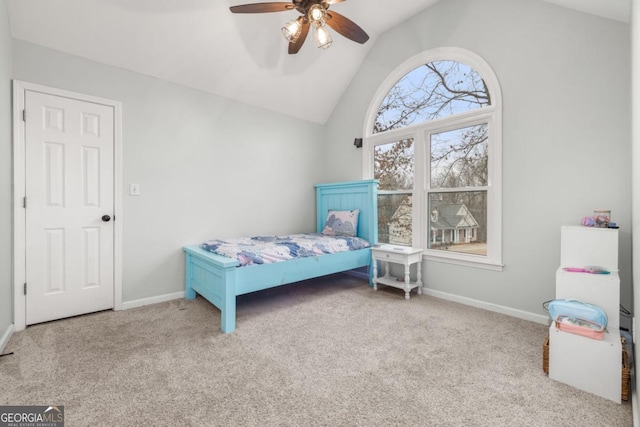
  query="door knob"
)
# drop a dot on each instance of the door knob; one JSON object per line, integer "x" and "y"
{"x": 106, "y": 218}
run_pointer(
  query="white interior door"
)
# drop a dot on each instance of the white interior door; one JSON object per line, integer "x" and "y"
{"x": 69, "y": 186}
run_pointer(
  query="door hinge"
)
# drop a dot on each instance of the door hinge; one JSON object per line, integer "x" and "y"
{"x": 24, "y": 115}
{"x": 25, "y": 288}
{"x": 24, "y": 202}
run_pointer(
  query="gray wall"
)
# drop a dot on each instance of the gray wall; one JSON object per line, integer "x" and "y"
{"x": 207, "y": 166}
{"x": 566, "y": 149}
{"x": 6, "y": 301}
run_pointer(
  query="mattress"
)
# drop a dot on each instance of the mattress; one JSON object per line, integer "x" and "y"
{"x": 269, "y": 249}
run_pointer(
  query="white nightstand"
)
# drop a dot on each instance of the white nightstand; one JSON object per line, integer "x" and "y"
{"x": 398, "y": 255}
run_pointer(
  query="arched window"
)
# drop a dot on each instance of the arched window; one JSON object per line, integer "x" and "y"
{"x": 434, "y": 140}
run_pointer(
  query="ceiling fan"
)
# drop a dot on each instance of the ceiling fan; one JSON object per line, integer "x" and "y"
{"x": 314, "y": 13}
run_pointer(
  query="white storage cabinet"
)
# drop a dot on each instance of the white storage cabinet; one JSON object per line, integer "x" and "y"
{"x": 590, "y": 365}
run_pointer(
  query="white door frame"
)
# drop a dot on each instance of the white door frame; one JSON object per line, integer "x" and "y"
{"x": 19, "y": 224}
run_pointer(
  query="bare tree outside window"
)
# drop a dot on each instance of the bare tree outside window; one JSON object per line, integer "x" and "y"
{"x": 437, "y": 89}
{"x": 460, "y": 158}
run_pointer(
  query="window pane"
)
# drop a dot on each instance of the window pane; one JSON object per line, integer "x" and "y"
{"x": 393, "y": 165}
{"x": 458, "y": 222}
{"x": 434, "y": 90}
{"x": 395, "y": 218}
{"x": 459, "y": 158}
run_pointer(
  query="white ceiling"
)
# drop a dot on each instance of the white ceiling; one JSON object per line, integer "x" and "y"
{"x": 619, "y": 10}
{"x": 202, "y": 45}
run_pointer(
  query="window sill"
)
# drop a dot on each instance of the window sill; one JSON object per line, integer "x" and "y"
{"x": 467, "y": 262}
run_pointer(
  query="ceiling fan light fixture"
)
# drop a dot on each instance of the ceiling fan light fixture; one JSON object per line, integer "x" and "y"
{"x": 317, "y": 13}
{"x": 323, "y": 38}
{"x": 314, "y": 14}
{"x": 291, "y": 30}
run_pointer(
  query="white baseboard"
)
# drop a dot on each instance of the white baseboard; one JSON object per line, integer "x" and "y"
{"x": 520, "y": 314}
{"x": 6, "y": 337}
{"x": 152, "y": 300}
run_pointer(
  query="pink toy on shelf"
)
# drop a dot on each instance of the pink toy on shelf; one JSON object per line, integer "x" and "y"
{"x": 592, "y": 269}
{"x": 588, "y": 221}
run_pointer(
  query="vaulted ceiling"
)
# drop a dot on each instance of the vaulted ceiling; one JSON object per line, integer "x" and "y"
{"x": 200, "y": 44}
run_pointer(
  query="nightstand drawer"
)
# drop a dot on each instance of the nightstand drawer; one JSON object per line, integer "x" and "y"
{"x": 390, "y": 256}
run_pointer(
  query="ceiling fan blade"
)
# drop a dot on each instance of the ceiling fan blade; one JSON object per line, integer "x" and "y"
{"x": 333, "y": 1}
{"x": 262, "y": 7}
{"x": 295, "y": 46}
{"x": 346, "y": 27}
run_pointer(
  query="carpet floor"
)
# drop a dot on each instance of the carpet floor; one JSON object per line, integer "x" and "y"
{"x": 324, "y": 352}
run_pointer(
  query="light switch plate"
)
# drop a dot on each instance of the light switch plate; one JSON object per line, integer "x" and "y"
{"x": 134, "y": 189}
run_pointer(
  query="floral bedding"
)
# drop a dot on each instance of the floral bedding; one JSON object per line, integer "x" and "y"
{"x": 269, "y": 249}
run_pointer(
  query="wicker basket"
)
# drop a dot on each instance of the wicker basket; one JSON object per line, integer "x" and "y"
{"x": 545, "y": 355}
{"x": 626, "y": 368}
{"x": 626, "y": 373}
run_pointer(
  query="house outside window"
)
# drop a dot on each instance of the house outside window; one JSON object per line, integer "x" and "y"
{"x": 434, "y": 141}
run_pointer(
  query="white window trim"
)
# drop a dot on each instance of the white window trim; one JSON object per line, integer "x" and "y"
{"x": 419, "y": 132}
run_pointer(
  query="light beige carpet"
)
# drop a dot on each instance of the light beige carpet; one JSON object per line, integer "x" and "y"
{"x": 326, "y": 352}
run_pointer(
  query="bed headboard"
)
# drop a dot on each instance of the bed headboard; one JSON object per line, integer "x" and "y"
{"x": 362, "y": 195}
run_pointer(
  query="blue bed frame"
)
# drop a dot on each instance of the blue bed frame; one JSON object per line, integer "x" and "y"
{"x": 220, "y": 280}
